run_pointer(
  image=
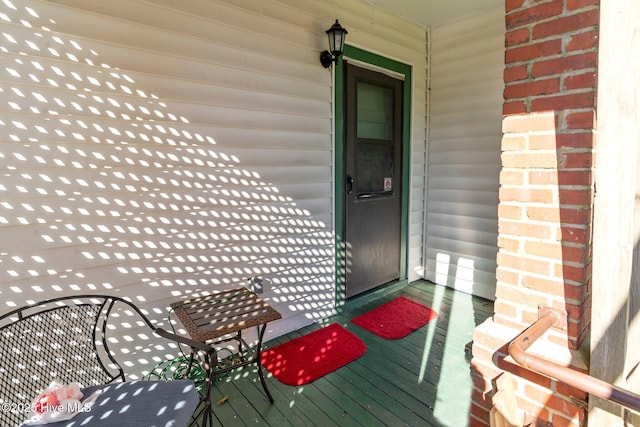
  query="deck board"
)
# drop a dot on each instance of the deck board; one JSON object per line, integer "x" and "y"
{"x": 420, "y": 380}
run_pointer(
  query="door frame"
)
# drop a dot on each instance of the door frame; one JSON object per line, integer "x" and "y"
{"x": 362, "y": 56}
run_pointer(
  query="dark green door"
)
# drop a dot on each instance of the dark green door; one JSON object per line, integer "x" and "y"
{"x": 373, "y": 178}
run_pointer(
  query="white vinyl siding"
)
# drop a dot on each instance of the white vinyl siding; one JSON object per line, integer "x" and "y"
{"x": 161, "y": 149}
{"x": 467, "y": 62}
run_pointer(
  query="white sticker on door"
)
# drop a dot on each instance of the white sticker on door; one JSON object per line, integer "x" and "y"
{"x": 388, "y": 184}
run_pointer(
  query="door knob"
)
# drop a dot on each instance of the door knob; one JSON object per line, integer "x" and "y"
{"x": 350, "y": 182}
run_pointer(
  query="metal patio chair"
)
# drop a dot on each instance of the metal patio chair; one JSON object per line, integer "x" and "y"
{"x": 67, "y": 340}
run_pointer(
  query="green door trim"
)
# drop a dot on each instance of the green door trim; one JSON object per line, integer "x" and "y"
{"x": 405, "y": 70}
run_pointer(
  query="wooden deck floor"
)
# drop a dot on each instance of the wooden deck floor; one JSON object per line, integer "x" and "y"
{"x": 420, "y": 380}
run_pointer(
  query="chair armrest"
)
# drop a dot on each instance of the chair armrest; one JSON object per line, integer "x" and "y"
{"x": 186, "y": 341}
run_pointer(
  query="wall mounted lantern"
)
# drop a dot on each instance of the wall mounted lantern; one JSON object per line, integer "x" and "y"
{"x": 336, "y": 45}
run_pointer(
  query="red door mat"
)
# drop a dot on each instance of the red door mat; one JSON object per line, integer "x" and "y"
{"x": 309, "y": 357}
{"x": 395, "y": 319}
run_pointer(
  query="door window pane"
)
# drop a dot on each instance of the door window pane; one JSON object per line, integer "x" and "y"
{"x": 374, "y": 112}
{"x": 374, "y": 169}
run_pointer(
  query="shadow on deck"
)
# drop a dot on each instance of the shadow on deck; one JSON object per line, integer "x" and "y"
{"x": 422, "y": 380}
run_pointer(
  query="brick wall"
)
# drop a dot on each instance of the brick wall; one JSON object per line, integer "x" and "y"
{"x": 546, "y": 200}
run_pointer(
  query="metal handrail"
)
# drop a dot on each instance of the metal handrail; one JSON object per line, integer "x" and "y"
{"x": 587, "y": 383}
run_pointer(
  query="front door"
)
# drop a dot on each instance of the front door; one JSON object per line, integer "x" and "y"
{"x": 373, "y": 178}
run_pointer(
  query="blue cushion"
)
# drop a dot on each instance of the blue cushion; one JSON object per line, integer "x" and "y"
{"x": 138, "y": 404}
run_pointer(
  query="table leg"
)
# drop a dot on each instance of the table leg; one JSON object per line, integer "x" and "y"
{"x": 240, "y": 346}
{"x": 259, "y": 363}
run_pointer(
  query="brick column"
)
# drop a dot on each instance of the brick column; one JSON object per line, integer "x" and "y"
{"x": 546, "y": 202}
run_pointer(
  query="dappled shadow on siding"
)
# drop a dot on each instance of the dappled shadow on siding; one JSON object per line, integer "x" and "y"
{"x": 105, "y": 189}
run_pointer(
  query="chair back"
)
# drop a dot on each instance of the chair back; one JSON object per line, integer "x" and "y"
{"x": 63, "y": 340}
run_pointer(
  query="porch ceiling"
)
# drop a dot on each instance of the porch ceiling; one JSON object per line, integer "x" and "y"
{"x": 433, "y": 12}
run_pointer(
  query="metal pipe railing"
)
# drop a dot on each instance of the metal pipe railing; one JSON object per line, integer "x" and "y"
{"x": 587, "y": 383}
